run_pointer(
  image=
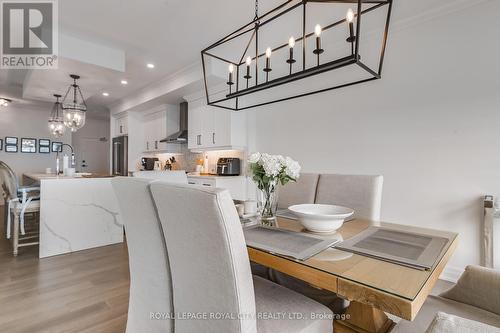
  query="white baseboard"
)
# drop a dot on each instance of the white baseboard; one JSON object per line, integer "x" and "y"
{"x": 451, "y": 274}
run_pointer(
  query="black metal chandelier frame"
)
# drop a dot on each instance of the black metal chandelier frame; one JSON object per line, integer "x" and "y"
{"x": 259, "y": 21}
{"x": 77, "y": 93}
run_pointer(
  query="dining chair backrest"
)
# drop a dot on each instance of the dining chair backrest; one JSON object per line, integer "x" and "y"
{"x": 177, "y": 176}
{"x": 8, "y": 182}
{"x": 303, "y": 191}
{"x": 208, "y": 257}
{"x": 363, "y": 193}
{"x": 150, "y": 280}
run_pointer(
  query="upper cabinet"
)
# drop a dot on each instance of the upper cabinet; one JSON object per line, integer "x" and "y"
{"x": 211, "y": 128}
{"x": 121, "y": 125}
{"x": 157, "y": 126}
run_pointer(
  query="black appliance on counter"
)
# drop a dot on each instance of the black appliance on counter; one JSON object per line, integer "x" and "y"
{"x": 228, "y": 166}
{"x": 148, "y": 163}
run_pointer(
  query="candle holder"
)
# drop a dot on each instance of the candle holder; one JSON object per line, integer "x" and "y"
{"x": 291, "y": 61}
{"x": 247, "y": 75}
{"x": 230, "y": 84}
{"x": 267, "y": 70}
{"x": 351, "y": 39}
{"x": 317, "y": 52}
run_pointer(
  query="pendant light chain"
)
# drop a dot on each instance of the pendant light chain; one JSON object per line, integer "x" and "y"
{"x": 256, "y": 9}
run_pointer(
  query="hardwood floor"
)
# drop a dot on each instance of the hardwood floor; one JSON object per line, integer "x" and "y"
{"x": 86, "y": 291}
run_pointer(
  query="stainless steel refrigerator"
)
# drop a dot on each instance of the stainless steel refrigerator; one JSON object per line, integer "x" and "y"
{"x": 120, "y": 156}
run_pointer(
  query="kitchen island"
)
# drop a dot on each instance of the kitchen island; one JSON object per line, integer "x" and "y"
{"x": 76, "y": 213}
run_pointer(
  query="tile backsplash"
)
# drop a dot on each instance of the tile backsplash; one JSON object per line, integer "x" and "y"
{"x": 187, "y": 160}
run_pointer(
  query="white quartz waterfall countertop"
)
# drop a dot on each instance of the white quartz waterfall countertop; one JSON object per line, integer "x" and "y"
{"x": 76, "y": 213}
{"x": 40, "y": 176}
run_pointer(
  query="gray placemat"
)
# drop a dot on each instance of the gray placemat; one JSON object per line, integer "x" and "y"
{"x": 287, "y": 243}
{"x": 406, "y": 248}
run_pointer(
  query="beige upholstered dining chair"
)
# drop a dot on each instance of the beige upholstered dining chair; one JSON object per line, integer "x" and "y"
{"x": 211, "y": 272}
{"x": 19, "y": 201}
{"x": 303, "y": 191}
{"x": 150, "y": 281}
{"x": 363, "y": 193}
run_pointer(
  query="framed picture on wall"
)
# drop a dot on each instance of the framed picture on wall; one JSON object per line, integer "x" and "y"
{"x": 10, "y": 140}
{"x": 28, "y": 145}
{"x": 44, "y": 146}
{"x": 11, "y": 148}
{"x": 10, "y": 144}
{"x": 57, "y": 147}
{"x": 44, "y": 143}
{"x": 43, "y": 150}
{"x": 1, "y": 144}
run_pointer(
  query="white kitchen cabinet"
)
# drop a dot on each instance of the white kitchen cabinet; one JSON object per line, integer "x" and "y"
{"x": 157, "y": 126}
{"x": 212, "y": 128}
{"x": 236, "y": 185}
{"x": 121, "y": 125}
{"x": 195, "y": 127}
{"x": 155, "y": 129}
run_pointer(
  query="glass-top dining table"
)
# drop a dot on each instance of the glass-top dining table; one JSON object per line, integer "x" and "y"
{"x": 373, "y": 286}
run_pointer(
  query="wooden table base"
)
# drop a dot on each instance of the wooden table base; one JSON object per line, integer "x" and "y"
{"x": 363, "y": 318}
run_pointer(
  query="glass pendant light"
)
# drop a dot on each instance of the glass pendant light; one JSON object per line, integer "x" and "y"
{"x": 56, "y": 122}
{"x": 75, "y": 109}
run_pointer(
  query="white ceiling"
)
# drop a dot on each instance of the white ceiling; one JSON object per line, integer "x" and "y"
{"x": 168, "y": 33}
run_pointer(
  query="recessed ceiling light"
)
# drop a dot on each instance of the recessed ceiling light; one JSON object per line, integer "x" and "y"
{"x": 150, "y": 65}
{"x": 124, "y": 82}
{"x": 105, "y": 94}
{"x": 4, "y": 101}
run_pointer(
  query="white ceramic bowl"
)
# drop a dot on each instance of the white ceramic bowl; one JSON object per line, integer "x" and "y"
{"x": 321, "y": 218}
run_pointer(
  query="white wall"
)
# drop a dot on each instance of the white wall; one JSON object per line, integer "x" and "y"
{"x": 431, "y": 126}
{"x": 89, "y": 146}
{"x": 29, "y": 122}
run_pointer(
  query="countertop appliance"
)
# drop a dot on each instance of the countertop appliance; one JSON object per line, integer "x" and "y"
{"x": 120, "y": 156}
{"x": 148, "y": 163}
{"x": 228, "y": 166}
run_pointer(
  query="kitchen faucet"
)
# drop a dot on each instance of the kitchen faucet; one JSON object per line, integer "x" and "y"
{"x": 73, "y": 163}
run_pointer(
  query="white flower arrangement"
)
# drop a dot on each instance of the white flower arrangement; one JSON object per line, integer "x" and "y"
{"x": 269, "y": 170}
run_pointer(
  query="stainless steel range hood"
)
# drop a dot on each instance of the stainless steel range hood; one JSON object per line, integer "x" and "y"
{"x": 182, "y": 135}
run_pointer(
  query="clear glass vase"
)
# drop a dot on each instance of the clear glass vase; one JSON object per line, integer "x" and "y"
{"x": 268, "y": 204}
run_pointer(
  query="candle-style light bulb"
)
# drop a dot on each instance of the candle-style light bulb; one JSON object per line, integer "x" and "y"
{"x": 268, "y": 52}
{"x": 350, "y": 15}
{"x": 248, "y": 61}
{"x": 317, "y": 30}
{"x": 290, "y": 60}
{"x": 318, "y": 50}
{"x": 268, "y": 63}
{"x": 230, "y": 79}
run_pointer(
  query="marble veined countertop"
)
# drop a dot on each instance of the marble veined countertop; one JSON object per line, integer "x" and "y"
{"x": 40, "y": 176}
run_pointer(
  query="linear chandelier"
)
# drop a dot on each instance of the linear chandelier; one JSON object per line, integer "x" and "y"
{"x": 318, "y": 48}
